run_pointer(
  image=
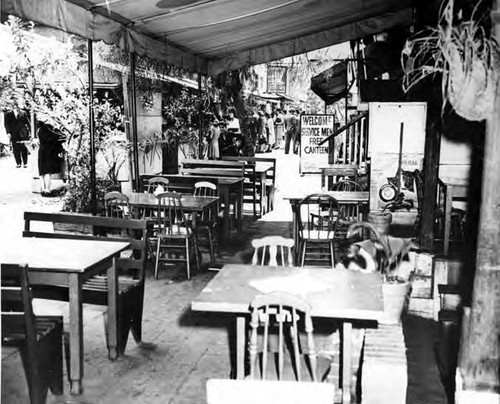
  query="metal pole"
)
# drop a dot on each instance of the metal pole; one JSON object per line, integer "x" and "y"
{"x": 93, "y": 205}
{"x": 200, "y": 119}
{"x": 133, "y": 102}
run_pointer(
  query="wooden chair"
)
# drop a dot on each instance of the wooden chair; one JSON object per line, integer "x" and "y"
{"x": 117, "y": 205}
{"x": 226, "y": 391}
{"x": 281, "y": 310}
{"x": 268, "y": 246}
{"x": 156, "y": 182}
{"x": 318, "y": 216}
{"x": 348, "y": 212}
{"x": 208, "y": 220}
{"x": 332, "y": 173}
{"x": 130, "y": 267}
{"x": 174, "y": 232}
{"x": 39, "y": 338}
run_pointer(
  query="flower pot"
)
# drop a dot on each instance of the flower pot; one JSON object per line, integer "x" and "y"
{"x": 395, "y": 296}
{"x": 380, "y": 221}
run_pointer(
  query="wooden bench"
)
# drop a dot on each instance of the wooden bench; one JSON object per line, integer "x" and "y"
{"x": 130, "y": 265}
{"x": 216, "y": 168}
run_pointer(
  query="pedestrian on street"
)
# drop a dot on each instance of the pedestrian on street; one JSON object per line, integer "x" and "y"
{"x": 290, "y": 131}
{"x": 50, "y": 155}
{"x": 17, "y": 126}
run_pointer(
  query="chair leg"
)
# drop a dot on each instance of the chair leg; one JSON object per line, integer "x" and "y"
{"x": 197, "y": 254}
{"x": 304, "y": 246}
{"x": 332, "y": 254}
{"x": 188, "y": 269}
{"x": 136, "y": 316}
{"x": 37, "y": 387}
{"x": 157, "y": 257}
{"x": 55, "y": 362}
{"x": 211, "y": 245}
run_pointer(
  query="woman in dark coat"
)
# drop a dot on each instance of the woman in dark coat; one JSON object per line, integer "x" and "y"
{"x": 50, "y": 155}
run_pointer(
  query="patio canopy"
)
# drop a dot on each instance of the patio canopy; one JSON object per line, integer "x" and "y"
{"x": 211, "y": 36}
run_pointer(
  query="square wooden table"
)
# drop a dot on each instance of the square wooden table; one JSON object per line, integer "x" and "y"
{"x": 69, "y": 263}
{"x": 342, "y": 197}
{"x": 342, "y": 295}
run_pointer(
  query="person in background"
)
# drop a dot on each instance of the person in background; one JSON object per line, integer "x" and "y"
{"x": 279, "y": 128}
{"x": 262, "y": 132}
{"x": 290, "y": 130}
{"x": 233, "y": 123}
{"x": 50, "y": 155}
{"x": 17, "y": 126}
{"x": 214, "y": 135}
{"x": 271, "y": 135}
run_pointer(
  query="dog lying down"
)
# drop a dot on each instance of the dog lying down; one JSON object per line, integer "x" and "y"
{"x": 364, "y": 256}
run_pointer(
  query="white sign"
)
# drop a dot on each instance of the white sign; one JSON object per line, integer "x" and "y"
{"x": 313, "y": 129}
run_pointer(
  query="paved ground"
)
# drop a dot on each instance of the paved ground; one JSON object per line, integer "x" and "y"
{"x": 181, "y": 349}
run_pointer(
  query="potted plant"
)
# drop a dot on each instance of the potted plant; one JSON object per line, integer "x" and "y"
{"x": 461, "y": 51}
{"x": 388, "y": 253}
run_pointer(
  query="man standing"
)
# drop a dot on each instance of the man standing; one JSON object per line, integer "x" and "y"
{"x": 17, "y": 126}
{"x": 290, "y": 131}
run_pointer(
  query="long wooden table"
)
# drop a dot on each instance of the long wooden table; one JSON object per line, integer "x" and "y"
{"x": 342, "y": 197}
{"x": 342, "y": 295}
{"x": 453, "y": 188}
{"x": 69, "y": 263}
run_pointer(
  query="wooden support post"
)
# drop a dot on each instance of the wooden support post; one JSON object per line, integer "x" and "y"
{"x": 93, "y": 201}
{"x": 479, "y": 361}
{"x": 431, "y": 166}
{"x": 133, "y": 110}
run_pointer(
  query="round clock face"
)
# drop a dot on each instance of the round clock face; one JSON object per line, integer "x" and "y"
{"x": 387, "y": 193}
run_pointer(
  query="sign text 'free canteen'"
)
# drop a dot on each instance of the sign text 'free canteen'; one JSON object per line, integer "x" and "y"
{"x": 314, "y": 128}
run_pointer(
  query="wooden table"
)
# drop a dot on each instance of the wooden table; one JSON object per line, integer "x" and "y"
{"x": 261, "y": 169}
{"x": 335, "y": 294}
{"x": 190, "y": 203}
{"x": 343, "y": 197}
{"x": 69, "y": 263}
{"x": 226, "y": 186}
{"x": 453, "y": 188}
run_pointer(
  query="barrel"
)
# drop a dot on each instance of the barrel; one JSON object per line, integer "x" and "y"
{"x": 380, "y": 221}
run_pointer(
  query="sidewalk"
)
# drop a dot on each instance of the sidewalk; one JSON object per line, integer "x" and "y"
{"x": 181, "y": 348}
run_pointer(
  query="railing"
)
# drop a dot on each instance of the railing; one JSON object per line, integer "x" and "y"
{"x": 354, "y": 141}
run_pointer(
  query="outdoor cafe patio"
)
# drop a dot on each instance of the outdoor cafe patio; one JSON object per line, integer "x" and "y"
{"x": 186, "y": 340}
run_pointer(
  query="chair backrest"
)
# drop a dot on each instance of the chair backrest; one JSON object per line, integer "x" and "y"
{"x": 171, "y": 218}
{"x": 269, "y": 246}
{"x": 116, "y": 204}
{"x": 346, "y": 185}
{"x": 280, "y": 309}
{"x": 336, "y": 171}
{"x": 205, "y": 188}
{"x": 318, "y": 216}
{"x": 17, "y": 310}
{"x": 228, "y": 391}
{"x": 156, "y": 182}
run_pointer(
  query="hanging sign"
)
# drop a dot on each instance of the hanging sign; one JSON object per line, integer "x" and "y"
{"x": 313, "y": 129}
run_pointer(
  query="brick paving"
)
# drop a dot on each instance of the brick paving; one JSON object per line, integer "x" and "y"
{"x": 181, "y": 349}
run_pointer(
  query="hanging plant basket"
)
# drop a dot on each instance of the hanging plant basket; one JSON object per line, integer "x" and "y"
{"x": 465, "y": 57}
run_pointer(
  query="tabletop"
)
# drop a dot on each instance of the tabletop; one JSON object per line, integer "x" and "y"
{"x": 263, "y": 166}
{"x": 60, "y": 255}
{"x": 221, "y": 179}
{"x": 331, "y": 293}
{"x": 340, "y": 196}
{"x": 189, "y": 202}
